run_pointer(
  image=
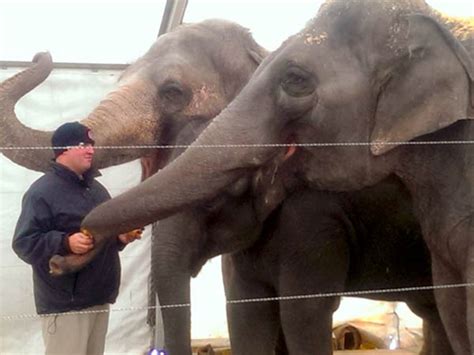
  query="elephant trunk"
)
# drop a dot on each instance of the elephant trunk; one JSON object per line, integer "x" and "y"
{"x": 14, "y": 136}
{"x": 124, "y": 119}
{"x": 124, "y": 123}
{"x": 221, "y": 154}
{"x": 174, "y": 244}
{"x": 176, "y": 319}
{"x": 61, "y": 265}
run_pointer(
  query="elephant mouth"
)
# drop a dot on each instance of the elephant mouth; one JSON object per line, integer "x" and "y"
{"x": 153, "y": 161}
{"x": 291, "y": 149}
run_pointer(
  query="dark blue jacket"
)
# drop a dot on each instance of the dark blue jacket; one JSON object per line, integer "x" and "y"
{"x": 53, "y": 208}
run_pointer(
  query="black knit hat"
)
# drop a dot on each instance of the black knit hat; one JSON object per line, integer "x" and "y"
{"x": 70, "y": 134}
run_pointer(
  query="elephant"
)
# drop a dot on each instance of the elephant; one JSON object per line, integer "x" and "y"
{"x": 186, "y": 78}
{"x": 365, "y": 90}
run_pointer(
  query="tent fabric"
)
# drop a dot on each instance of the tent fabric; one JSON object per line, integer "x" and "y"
{"x": 68, "y": 95}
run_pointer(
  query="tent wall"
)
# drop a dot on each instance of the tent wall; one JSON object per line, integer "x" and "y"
{"x": 67, "y": 95}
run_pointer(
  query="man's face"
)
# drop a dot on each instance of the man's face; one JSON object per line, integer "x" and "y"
{"x": 78, "y": 158}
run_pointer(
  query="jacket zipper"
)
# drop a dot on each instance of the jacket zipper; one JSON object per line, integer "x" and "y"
{"x": 73, "y": 291}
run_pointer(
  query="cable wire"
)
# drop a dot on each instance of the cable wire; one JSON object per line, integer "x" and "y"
{"x": 252, "y": 300}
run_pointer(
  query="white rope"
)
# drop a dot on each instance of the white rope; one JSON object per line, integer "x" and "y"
{"x": 250, "y": 300}
{"x": 268, "y": 145}
{"x": 349, "y": 293}
{"x": 267, "y": 299}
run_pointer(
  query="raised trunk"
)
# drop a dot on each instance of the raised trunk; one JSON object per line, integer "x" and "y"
{"x": 124, "y": 120}
{"x": 16, "y": 137}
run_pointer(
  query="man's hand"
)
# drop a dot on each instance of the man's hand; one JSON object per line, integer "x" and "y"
{"x": 131, "y": 236}
{"x": 80, "y": 243}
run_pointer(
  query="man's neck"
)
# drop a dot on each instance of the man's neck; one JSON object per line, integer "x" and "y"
{"x": 68, "y": 166}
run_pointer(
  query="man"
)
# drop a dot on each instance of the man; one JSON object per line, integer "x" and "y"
{"x": 49, "y": 224}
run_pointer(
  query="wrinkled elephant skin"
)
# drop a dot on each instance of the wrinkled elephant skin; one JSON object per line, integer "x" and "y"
{"x": 373, "y": 73}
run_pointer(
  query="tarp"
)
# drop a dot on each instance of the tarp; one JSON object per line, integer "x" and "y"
{"x": 67, "y": 95}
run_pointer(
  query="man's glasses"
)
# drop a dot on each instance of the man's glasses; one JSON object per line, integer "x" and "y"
{"x": 81, "y": 145}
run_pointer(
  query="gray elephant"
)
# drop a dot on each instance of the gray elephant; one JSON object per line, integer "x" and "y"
{"x": 349, "y": 90}
{"x": 184, "y": 80}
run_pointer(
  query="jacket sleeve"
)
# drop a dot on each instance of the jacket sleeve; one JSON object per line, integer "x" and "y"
{"x": 35, "y": 239}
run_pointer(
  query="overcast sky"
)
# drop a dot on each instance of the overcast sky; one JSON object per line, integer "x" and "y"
{"x": 120, "y": 31}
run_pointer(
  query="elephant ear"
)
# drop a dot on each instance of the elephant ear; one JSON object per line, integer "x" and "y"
{"x": 429, "y": 89}
{"x": 256, "y": 52}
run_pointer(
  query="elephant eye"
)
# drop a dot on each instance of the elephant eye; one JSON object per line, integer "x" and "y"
{"x": 173, "y": 96}
{"x": 298, "y": 82}
{"x": 171, "y": 91}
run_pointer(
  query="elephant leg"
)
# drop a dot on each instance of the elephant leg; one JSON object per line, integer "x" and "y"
{"x": 172, "y": 253}
{"x": 307, "y": 325}
{"x": 436, "y": 341}
{"x": 470, "y": 289}
{"x": 451, "y": 303}
{"x": 254, "y": 326}
{"x": 314, "y": 259}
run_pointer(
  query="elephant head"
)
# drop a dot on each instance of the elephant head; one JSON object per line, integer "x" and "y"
{"x": 186, "y": 77}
